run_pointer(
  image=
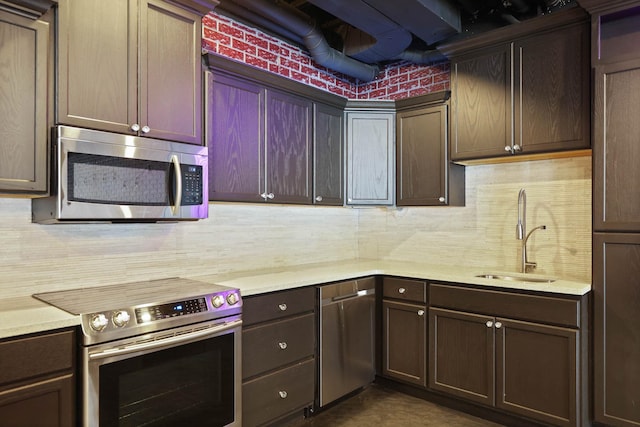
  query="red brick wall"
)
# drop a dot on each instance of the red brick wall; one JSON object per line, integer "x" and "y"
{"x": 237, "y": 41}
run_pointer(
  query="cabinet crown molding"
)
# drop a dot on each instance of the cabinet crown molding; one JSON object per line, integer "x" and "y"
{"x": 32, "y": 9}
{"x": 597, "y": 6}
{"x": 571, "y": 15}
{"x": 199, "y": 6}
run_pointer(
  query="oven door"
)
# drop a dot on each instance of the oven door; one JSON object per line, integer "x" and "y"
{"x": 189, "y": 376}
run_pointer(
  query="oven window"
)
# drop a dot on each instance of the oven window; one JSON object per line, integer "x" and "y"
{"x": 118, "y": 180}
{"x": 188, "y": 385}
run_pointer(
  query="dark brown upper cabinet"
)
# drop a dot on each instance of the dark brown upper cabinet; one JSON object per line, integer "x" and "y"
{"x": 616, "y": 149}
{"x": 614, "y": 30}
{"x": 132, "y": 67}
{"x": 424, "y": 174}
{"x": 259, "y": 140}
{"x": 289, "y": 148}
{"x": 25, "y": 53}
{"x": 271, "y": 139}
{"x": 522, "y": 89}
{"x": 235, "y": 138}
{"x": 328, "y": 155}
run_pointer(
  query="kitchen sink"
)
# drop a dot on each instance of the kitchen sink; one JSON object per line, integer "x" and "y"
{"x": 517, "y": 278}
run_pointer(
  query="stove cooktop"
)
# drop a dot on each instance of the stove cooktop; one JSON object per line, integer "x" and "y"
{"x": 129, "y": 309}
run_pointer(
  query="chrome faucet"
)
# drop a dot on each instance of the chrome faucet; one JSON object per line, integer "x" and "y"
{"x": 521, "y": 232}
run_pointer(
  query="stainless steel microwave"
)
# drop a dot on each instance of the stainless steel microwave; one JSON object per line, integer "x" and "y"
{"x": 102, "y": 176}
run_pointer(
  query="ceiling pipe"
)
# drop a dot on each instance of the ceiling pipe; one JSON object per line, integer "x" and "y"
{"x": 422, "y": 57}
{"x": 313, "y": 39}
{"x": 255, "y": 19}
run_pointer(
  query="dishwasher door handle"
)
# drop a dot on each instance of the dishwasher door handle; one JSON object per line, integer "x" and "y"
{"x": 358, "y": 294}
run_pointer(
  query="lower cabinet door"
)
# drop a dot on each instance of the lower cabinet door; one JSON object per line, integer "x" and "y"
{"x": 277, "y": 394}
{"x": 47, "y": 403}
{"x": 405, "y": 342}
{"x": 537, "y": 371}
{"x": 461, "y": 352}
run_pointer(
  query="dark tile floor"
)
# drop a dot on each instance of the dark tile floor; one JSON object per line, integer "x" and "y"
{"x": 377, "y": 406}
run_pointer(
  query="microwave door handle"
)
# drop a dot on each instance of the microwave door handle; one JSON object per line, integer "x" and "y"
{"x": 175, "y": 209}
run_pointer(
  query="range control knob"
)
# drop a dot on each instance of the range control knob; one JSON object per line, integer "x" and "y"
{"x": 217, "y": 301}
{"x": 120, "y": 318}
{"x": 98, "y": 322}
{"x": 232, "y": 299}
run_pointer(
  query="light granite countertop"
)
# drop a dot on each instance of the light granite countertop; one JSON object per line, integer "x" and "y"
{"x": 25, "y": 315}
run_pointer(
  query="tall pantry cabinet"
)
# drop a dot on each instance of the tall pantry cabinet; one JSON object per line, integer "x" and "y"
{"x": 616, "y": 211}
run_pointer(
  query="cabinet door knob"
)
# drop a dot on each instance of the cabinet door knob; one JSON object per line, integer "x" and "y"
{"x": 263, "y": 195}
{"x": 402, "y": 290}
{"x": 318, "y": 198}
{"x": 135, "y": 127}
{"x": 441, "y": 199}
{"x": 420, "y": 312}
{"x": 516, "y": 148}
{"x": 270, "y": 196}
{"x": 508, "y": 148}
{"x": 498, "y": 325}
{"x": 282, "y": 345}
{"x": 489, "y": 323}
{"x": 282, "y": 307}
{"x": 146, "y": 129}
{"x": 283, "y": 394}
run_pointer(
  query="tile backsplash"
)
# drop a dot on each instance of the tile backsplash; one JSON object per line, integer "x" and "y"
{"x": 37, "y": 258}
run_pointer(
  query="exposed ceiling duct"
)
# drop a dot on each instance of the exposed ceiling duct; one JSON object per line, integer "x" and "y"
{"x": 312, "y": 38}
{"x": 387, "y": 39}
{"x": 353, "y": 37}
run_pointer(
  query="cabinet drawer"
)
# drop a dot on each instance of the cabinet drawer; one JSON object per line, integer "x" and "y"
{"x": 40, "y": 355}
{"x": 544, "y": 309}
{"x": 405, "y": 289}
{"x": 271, "y": 396}
{"x": 276, "y": 344}
{"x": 262, "y": 308}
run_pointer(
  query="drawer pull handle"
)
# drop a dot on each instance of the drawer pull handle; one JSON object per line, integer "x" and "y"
{"x": 498, "y": 325}
{"x": 402, "y": 290}
{"x": 283, "y": 394}
{"x": 282, "y": 307}
{"x": 489, "y": 323}
{"x": 420, "y": 312}
{"x": 283, "y": 345}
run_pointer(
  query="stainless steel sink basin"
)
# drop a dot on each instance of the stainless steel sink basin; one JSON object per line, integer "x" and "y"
{"x": 517, "y": 278}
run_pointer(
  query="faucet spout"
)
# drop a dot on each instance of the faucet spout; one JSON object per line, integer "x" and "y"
{"x": 527, "y": 265}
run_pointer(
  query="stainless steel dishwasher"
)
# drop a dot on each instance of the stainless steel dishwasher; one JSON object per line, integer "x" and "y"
{"x": 347, "y": 326}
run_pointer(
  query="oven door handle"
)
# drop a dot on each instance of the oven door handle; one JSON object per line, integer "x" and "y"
{"x": 165, "y": 342}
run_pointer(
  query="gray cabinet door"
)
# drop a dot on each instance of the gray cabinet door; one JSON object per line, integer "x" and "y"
{"x": 24, "y": 49}
{"x": 289, "y": 148}
{"x": 616, "y": 302}
{"x": 235, "y": 139}
{"x": 328, "y": 155}
{"x": 481, "y": 104}
{"x": 616, "y": 147}
{"x": 370, "y": 158}
{"x": 130, "y": 62}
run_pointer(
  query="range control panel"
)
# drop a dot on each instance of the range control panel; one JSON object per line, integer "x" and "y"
{"x": 165, "y": 311}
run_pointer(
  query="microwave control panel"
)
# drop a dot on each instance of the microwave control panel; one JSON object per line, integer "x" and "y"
{"x": 191, "y": 185}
